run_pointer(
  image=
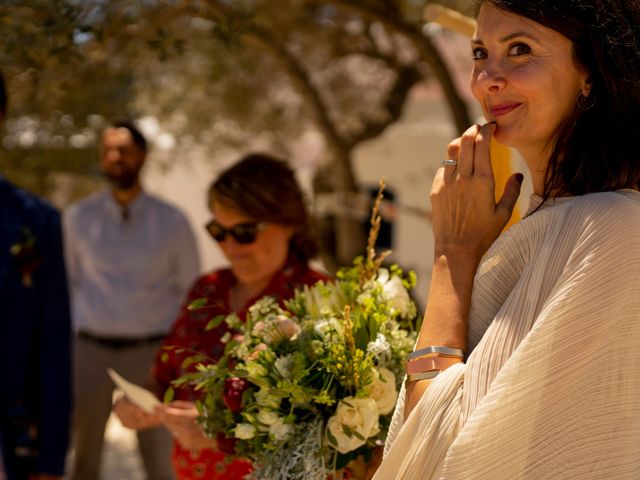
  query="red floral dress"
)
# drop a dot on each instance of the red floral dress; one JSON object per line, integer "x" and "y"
{"x": 189, "y": 331}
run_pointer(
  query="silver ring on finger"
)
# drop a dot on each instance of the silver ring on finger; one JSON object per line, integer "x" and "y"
{"x": 449, "y": 162}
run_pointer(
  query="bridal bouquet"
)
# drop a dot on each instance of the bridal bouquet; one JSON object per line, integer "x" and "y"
{"x": 303, "y": 390}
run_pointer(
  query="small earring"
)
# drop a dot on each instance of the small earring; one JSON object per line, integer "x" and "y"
{"x": 585, "y": 102}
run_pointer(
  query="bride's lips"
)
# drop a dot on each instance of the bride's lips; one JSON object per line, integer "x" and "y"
{"x": 503, "y": 108}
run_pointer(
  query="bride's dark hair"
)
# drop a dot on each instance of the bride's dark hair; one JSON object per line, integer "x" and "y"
{"x": 597, "y": 147}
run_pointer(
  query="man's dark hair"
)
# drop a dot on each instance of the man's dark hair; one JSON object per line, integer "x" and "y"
{"x": 136, "y": 134}
{"x": 3, "y": 95}
{"x": 597, "y": 147}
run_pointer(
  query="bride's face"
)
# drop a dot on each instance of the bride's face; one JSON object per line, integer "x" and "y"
{"x": 525, "y": 77}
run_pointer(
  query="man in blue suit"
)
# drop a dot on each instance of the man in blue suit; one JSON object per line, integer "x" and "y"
{"x": 35, "y": 384}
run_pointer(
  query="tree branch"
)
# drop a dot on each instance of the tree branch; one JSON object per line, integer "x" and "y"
{"x": 428, "y": 52}
{"x": 301, "y": 80}
{"x": 395, "y": 102}
{"x": 261, "y": 37}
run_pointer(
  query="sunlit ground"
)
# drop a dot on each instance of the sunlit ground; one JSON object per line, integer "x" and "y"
{"x": 121, "y": 460}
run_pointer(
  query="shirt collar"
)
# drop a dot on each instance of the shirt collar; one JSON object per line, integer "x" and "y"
{"x": 536, "y": 203}
{"x": 134, "y": 208}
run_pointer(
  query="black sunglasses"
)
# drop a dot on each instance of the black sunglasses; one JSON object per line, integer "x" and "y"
{"x": 242, "y": 233}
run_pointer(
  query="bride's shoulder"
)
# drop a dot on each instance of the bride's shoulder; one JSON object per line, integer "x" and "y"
{"x": 610, "y": 220}
{"x": 598, "y": 216}
{"x": 607, "y": 209}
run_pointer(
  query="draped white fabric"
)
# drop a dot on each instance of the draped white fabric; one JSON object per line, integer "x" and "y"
{"x": 551, "y": 389}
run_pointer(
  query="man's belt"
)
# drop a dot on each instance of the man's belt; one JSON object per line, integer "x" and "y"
{"x": 120, "y": 342}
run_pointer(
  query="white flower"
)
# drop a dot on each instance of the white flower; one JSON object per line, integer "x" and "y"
{"x": 383, "y": 390}
{"x": 322, "y": 298}
{"x": 380, "y": 346}
{"x": 245, "y": 431}
{"x": 265, "y": 399}
{"x": 257, "y": 329}
{"x": 279, "y": 430}
{"x": 324, "y": 328}
{"x": 359, "y": 417}
{"x": 267, "y": 417}
{"x": 394, "y": 292}
{"x": 364, "y": 297}
{"x": 284, "y": 365}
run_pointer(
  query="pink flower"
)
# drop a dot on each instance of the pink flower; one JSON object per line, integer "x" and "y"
{"x": 283, "y": 328}
{"x": 261, "y": 347}
{"x": 232, "y": 393}
{"x": 238, "y": 338}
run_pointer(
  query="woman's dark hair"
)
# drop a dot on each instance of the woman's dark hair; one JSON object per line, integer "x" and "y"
{"x": 597, "y": 148}
{"x": 266, "y": 189}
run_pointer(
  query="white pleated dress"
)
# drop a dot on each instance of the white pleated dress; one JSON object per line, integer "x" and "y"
{"x": 551, "y": 389}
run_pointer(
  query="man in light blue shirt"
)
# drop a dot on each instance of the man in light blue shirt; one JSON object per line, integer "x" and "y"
{"x": 131, "y": 257}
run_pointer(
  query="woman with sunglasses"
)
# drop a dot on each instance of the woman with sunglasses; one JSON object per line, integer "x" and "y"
{"x": 261, "y": 224}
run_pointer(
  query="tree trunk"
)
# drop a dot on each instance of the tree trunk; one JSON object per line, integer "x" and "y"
{"x": 350, "y": 236}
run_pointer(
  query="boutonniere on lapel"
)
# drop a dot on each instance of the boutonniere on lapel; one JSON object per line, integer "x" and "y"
{"x": 25, "y": 256}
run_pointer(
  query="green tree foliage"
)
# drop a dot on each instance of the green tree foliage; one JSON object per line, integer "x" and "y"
{"x": 223, "y": 72}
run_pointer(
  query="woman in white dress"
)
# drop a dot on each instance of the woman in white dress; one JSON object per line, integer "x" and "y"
{"x": 527, "y": 365}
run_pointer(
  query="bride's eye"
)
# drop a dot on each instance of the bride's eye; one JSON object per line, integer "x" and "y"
{"x": 478, "y": 54}
{"x": 518, "y": 49}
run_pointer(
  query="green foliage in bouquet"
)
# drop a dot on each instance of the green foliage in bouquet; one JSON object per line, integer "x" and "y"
{"x": 305, "y": 389}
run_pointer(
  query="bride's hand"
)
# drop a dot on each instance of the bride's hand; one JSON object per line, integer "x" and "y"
{"x": 466, "y": 217}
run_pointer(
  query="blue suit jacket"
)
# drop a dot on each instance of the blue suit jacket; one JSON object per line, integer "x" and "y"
{"x": 35, "y": 337}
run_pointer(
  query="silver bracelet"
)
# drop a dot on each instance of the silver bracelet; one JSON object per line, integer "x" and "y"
{"x": 422, "y": 376}
{"x": 453, "y": 352}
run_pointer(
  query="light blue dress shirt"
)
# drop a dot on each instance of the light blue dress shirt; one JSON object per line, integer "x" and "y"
{"x": 128, "y": 273}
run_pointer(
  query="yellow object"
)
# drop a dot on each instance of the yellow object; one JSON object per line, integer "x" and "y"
{"x": 502, "y": 170}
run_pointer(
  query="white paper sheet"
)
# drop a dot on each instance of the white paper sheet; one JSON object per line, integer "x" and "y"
{"x": 138, "y": 395}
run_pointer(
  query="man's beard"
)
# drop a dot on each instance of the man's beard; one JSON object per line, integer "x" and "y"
{"x": 122, "y": 181}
